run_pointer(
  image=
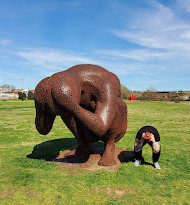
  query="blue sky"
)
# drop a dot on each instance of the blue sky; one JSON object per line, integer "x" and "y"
{"x": 146, "y": 43}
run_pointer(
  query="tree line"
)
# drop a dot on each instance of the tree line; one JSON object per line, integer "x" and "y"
{"x": 22, "y": 96}
{"x": 153, "y": 95}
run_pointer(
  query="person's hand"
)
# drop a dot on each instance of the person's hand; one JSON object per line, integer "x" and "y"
{"x": 152, "y": 139}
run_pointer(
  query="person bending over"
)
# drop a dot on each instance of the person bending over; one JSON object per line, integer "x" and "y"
{"x": 150, "y": 135}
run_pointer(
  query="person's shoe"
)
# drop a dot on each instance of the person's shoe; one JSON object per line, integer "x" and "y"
{"x": 137, "y": 162}
{"x": 156, "y": 165}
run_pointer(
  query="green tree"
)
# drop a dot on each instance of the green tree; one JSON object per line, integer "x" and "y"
{"x": 30, "y": 95}
{"x": 21, "y": 96}
{"x": 125, "y": 92}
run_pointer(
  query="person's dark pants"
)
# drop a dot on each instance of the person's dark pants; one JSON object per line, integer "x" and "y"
{"x": 155, "y": 156}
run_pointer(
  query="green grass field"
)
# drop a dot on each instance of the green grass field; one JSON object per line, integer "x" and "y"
{"x": 33, "y": 181}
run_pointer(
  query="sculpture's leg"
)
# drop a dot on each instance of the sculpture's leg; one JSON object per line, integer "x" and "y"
{"x": 108, "y": 158}
{"x": 83, "y": 148}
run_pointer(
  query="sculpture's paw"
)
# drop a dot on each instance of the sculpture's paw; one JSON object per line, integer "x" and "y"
{"x": 107, "y": 162}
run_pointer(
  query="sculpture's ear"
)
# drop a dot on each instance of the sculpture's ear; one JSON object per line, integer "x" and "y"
{"x": 44, "y": 120}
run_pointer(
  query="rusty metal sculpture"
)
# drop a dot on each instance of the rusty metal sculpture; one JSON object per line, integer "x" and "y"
{"x": 88, "y": 99}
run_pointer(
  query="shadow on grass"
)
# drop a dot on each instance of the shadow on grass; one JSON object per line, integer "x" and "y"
{"x": 51, "y": 149}
{"x": 146, "y": 163}
{"x": 126, "y": 156}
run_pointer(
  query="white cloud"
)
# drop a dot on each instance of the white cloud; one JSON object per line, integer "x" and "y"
{"x": 159, "y": 27}
{"x": 137, "y": 54}
{"x": 8, "y": 74}
{"x": 5, "y": 42}
{"x": 184, "y": 4}
{"x": 54, "y": 59}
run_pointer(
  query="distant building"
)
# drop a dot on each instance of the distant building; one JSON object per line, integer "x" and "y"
{"x": 25, "y": 91}
{"x": 6, "y": 92}
{"x": 17, "y": 91}
{"x": 8, "y": 96}
{"x": 188, "y": 94}
{"x": 9, "y": 92}
{"x": 158, "y": 96}
{"x": 7, "y": 88}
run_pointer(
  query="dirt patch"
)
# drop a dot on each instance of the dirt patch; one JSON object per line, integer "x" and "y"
{"x": 91, "y": 163}
{"x": 7, "y": 193}
{"x": 117, "y": 192}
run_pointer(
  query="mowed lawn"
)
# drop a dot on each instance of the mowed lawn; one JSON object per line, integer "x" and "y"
{"x": 33, "y": 181}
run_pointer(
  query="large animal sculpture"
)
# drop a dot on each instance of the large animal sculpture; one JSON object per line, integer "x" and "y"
{"x": 88, "y": 99}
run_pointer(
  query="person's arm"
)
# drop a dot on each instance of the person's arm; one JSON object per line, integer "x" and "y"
{"x": 155, "y": 144}
{"x": 138, "y": 141}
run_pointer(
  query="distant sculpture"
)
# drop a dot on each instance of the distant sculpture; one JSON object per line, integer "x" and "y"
{"x": 88, "y": 99}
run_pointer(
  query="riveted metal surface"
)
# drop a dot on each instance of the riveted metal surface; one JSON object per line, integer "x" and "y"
{"x": 88, "y": 99}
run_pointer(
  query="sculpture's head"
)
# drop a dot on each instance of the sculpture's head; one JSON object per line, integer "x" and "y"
{"x": 44, "y": 119}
